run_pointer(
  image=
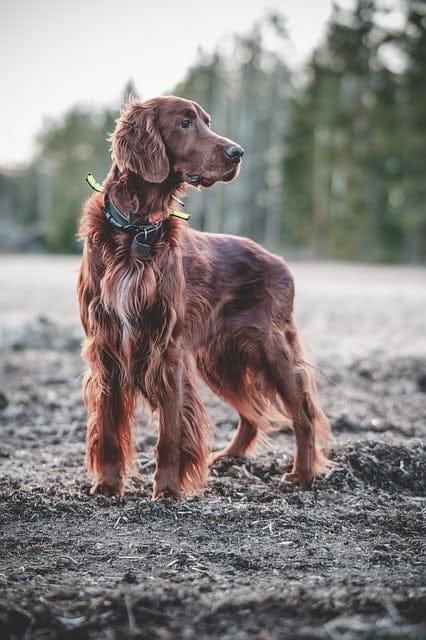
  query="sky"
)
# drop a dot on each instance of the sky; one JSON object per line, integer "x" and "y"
{"x": 55, "y": 54}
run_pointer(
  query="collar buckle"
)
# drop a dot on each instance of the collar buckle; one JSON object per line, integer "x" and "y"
{"x": 143, "y": 235}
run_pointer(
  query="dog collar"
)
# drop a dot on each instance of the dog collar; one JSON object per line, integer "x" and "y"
{"x": 143, "y": 235}
{"x": 94, "y": 184}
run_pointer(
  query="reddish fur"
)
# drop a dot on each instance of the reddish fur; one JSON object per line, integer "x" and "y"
{"x": 219, "y": 304}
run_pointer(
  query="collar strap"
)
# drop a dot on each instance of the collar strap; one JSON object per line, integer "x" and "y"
{"x": 143, "y": 235}
{"x": 94, "y": 184}
{"x": 124, "y": 223}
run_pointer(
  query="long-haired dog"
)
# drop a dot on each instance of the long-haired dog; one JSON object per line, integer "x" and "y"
{"x": 161, "y": 302}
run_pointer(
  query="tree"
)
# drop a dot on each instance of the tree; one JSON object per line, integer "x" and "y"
{"x": 67, "y": 150}
{"x": 247, "y": 95}
{"x": 409, "y": 197}
{"x": 335, "y": 158}
{"x": 349, "y": 133}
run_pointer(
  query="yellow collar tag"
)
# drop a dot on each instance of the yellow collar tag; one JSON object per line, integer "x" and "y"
{"x": 93, "y": 183}
{"x": 179, "y": 214}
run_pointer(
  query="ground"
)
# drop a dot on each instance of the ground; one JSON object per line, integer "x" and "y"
{"x": 248, "y": 558}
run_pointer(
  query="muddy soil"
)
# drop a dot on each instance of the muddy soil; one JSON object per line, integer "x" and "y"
{"x": 248, "y": 558}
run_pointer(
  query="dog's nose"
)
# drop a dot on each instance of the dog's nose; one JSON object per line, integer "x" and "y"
{"x": 234, "y": 152}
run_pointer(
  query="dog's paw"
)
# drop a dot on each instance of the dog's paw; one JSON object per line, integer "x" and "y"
{"x": 108, "y": 485}
{"x": 294, "y": 478}
{"x": 103, "y": 489}
{"x": 166, "y": 492}
{"x": 217, "y": 456}
{"x": 214, "y": 457}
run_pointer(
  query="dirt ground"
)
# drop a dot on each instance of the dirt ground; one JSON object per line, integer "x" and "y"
{"x": 248, "y": 558}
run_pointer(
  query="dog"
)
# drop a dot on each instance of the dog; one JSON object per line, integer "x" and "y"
{"x": 161, "y": 304}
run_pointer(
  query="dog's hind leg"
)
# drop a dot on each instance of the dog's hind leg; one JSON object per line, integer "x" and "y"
{"x": 230, "y": 390}
{"x": 242, "y": 443}
{"x": 290, "y": 379}
{"x": 274, "y": 383}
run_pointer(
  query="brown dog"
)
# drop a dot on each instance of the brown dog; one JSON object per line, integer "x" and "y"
{"x": 160, "y": 302}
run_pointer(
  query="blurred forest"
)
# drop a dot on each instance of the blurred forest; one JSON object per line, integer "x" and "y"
{"x": 335, "y": 162}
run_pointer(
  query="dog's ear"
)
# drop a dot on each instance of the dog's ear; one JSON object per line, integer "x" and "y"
{"x": 136, "y": 143}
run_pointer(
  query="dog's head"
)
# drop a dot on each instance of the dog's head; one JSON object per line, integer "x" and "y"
{"x": 170, "y": 136}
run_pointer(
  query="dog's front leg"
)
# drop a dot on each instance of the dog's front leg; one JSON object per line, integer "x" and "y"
{"x": 109, "y": 442}
{"x": 110, "y": 405}
{"x": 168, "y": 451}
{"x": 183, "y": 445}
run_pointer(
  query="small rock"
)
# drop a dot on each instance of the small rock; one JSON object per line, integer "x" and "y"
{"x": 130, "y": 577}
{"x": 3, "y": 401}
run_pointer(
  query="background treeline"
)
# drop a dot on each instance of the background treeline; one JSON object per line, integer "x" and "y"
{"x": 335, "y": 162}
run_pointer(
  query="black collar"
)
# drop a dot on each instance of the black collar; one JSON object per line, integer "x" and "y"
{"x": 143, "y": 235}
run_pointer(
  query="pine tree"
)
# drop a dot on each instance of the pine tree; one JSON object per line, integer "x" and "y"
{"x": 410, "y": 197}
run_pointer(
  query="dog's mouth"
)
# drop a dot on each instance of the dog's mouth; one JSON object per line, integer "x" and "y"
{"x": 196, "y": 180}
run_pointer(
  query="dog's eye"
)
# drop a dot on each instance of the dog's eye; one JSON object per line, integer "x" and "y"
{"x": 186, "y": 124}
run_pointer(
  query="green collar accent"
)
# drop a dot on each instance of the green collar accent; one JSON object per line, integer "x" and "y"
{"x": 179, "y": 214}
{"x": 94, "y": 184}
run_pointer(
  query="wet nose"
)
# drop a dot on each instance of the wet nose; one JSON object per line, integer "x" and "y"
{"x": 234, "y": 152}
